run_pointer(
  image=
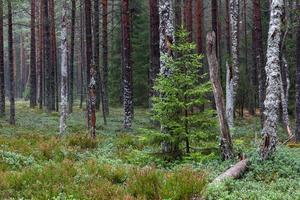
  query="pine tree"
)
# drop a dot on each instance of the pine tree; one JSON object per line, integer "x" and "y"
{"x": 2, "y": 84}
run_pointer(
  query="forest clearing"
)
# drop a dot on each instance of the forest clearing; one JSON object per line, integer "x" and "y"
{"x": 149, "y": 99}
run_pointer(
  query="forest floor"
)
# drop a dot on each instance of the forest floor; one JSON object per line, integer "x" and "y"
{"x": 37, "y": 164}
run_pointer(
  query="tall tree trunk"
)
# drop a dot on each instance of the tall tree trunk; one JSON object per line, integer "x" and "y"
{"x": 154, "y": 47}
{"x": 228, "y": 42}
{"x": 273, "y": 80}
{"x": 11, "y": 65}
{"x": 178, "y": 14}
{"x": 198, "y": 25}
{"x": 82, "y": 50}
{"x": 49, "y": 72}
{"x": 166, "y": 29}
{"x": 188, "y": 18}
{"x": 127, "y": 81}
{"x": 2, "y": 84}
{"x": 105, "y": 56}
{"x": 64, "y": 73}
{"x": 71, "y": 78}
{"x": 232, "y": 74}
{"x": 259, "y": 56}
{"x": 32, "y": 58}
{"x": 225, "y": 143}
{"x": 53, "y": 55}
{"x": 297, "y": 132}
{"x": 89, "y": 51}
{"x": 41, "y": 56}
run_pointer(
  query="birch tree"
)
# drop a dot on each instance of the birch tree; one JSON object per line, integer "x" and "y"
{"x": 232, "y": 74}
{"x": 64, "y": 73}
{"x": 166, "y": 30}
{"x": 273, "y": 91}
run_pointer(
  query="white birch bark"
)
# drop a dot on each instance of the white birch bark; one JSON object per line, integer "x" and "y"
{"x": 166, "y": 30}
{"x": 232, "y": 76}
{"x": 64, "y": 74}
{"x": 273, "y": 91}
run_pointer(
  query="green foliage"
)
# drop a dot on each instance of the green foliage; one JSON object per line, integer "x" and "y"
{"x": 182, "y": 93}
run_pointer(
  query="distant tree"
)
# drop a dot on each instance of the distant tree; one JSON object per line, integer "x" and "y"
{"x": 11, "y": 64}
{"x": 257, "y": 42}
{"x": 154, "y": 47}
{"x": 105, "y": 55}
{"x": 2, "y": 84}
{"x": 32, "y": 58}
{"x": 41, "y": 60}
{"x": 297, "y": 132}
{"x": 273, "y": 90}
{"x": 72, "y": 50}
{"x": 64, "y": 73}
{"x": 188, "y": 18}
{"x": 127, "y": 70}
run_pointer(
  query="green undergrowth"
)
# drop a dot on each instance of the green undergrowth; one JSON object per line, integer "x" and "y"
{"x": 35, "y": 163}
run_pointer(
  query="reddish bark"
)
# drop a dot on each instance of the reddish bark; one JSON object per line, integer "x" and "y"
{"x": 188, "y": 18}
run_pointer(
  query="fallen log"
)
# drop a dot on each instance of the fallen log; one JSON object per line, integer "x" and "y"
{"x": 233, "y": 172}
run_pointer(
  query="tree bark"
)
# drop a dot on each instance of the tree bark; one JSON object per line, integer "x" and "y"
{"x": 72, "y": 50}
{"x": 232, "y": 76}
{"x": 154, "y": 47}
{"x": 88, "y": 37}
{"x": 297, "y": 131}
{"x": 127, "y": 79}
{"x": 11, "y": 65}
{"x": 105, "y": 56}
{"x": 92, "y": 102}
{"x": 32, "y": 58}
{"x": 233, "y": 172}
{"x": 41, "y": 56}
{"x": 259, "y": 56}
{"x": 178, "y": 14}
{"x": 64, "y": 73}
{"x": 273, "y": 90}
{"x": 188, "y": 18}
{"x": 225, "y": 143}
{"x": 214, "y": 23}
{"x": 2, "y": 82}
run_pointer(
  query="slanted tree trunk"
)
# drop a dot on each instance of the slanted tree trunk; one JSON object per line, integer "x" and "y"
{"x": 127, "y": 78}
{"x": 72, "y": 49}
{"x": 154, "y": 47}
{"x": 105, "y": 56}
{"x": 11, "y": 65}
{"x": 2, "y": 84}
{"x": 64, "y": 73}
{"x": 259, "y": 56}
{"x": 232, "y": 74}
{"x": 273, "y": 90}
{"x": 297, "y": 131}
{"x": 32, "y": 58}
{"x": 225, "y": 143}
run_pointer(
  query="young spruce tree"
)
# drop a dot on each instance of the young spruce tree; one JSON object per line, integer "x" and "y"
{"x": 181, "y": 95}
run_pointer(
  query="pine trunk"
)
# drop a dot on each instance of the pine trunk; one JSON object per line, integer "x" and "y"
{"x": 188, "y": 18}
{"x": 154, "y": 47}
{"x": 297, "y": 132}
{"x": 2, "y": 83}
{"x": 11, "y": 65}
{"x": 127, "y": 81}
{"x": 105, "y": 56}
{"x": 273, "y": 90}
{"x": 259, "y": 56}
{"x": 72, "y": 48}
